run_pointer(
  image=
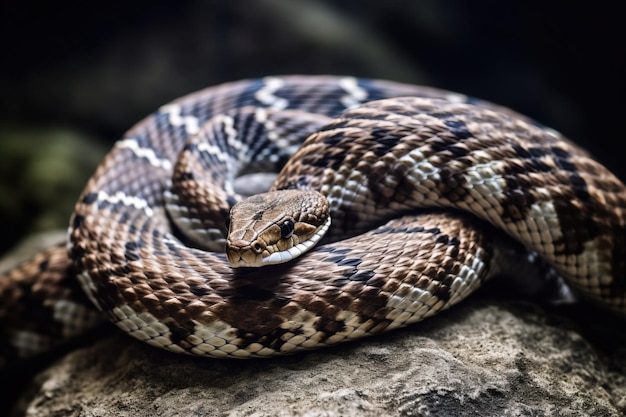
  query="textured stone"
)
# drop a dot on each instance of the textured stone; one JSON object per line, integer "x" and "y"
{"x": 482, "y": 358}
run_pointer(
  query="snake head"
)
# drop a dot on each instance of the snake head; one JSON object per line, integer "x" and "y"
{"x": 275, "y": 227}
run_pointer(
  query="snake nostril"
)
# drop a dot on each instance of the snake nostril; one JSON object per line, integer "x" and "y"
{"x": 257, "y": 247}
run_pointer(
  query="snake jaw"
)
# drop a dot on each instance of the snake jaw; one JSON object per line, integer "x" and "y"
{"x": 298, "y": 249}
{"x": 241, "y": 254}
{"x": 276, "y": 227}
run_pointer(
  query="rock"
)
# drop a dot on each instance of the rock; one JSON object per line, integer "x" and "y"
{"x": 29, "y": 246}
{"x": 482, "y": 358}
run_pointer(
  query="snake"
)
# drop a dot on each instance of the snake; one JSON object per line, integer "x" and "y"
{"x": 391, "y": 203}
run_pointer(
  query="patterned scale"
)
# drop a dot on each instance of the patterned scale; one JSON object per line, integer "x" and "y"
{"x": 423, "y": 185}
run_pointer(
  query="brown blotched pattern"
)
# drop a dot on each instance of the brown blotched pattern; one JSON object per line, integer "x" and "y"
{"x": 51, "y": 309}
{"x": 390, "y": 168}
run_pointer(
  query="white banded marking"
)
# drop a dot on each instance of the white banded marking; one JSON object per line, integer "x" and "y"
{"x": 261, "y": 116}
{"x": 232, "y": 136}
{"x": 232, "y": 139}
{"x": 143, "y": 152}
{"x": 227, "y": 123}
{"x": 456, "y": 98}
{"x": 127, "y": 200}
{"x": 191, "y": 123}
{"x": 213, "y": 150}
{"x": 356, "y": 95}
{"x": 266, "y": 94}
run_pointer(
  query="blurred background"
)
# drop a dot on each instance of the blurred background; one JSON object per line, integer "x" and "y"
{"x": 76, "y": 75}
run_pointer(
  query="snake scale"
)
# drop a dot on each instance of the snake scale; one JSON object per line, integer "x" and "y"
{"x": 425, "y": 195}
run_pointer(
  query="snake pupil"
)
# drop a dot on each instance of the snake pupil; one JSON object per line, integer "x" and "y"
{"x": 286, "y": 229}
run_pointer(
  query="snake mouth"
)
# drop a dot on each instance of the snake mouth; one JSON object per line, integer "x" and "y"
{"x": 243, "y": 258}
{"x": 293, "y": 252}
{"x": 257, "y": 255}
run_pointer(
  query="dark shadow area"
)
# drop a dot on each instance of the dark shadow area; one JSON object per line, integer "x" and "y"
{"x": 95, "y": 70}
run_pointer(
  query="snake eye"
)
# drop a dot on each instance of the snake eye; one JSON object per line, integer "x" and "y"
{"x": 286, "y": 229}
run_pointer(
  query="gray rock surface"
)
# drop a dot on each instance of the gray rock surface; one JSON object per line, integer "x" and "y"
{"x": 482, "y": 358}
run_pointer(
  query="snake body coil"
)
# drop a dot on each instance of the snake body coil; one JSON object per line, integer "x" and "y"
{"x": 419, "y": 182}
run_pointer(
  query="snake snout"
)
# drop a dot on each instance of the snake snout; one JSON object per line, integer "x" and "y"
{"x": 243, "y": 253}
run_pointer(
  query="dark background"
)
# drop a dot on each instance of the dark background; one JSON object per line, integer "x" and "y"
{"x": 75, "y": 76}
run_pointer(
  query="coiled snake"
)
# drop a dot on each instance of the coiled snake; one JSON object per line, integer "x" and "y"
{"x": 417, "y": 186}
